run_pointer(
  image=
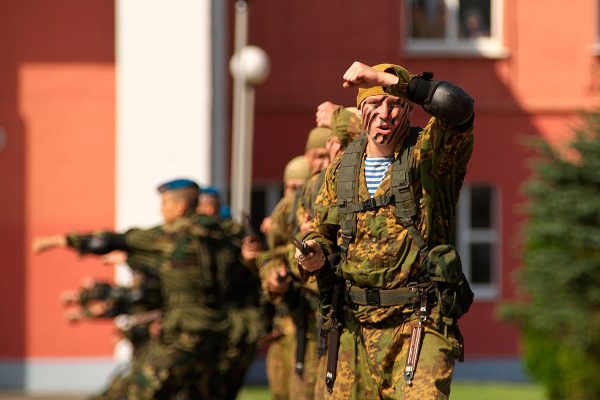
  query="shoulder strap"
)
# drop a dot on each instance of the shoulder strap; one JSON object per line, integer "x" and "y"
{"x": 401, "y": 193}
{"x": 406, "y": 209}
{"x": 347, "y": 182}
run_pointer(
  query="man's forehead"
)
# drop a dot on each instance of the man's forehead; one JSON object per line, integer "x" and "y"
{"x": 381, "y": 97}
{"x": 316, "y": 151}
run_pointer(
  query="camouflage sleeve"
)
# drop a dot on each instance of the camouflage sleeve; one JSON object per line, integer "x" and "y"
{"x": 264, "y": 271}
{"x": 450, "y": 149}
{"x": 401, "y": 88}
{"x": 279, "y": 230}
{"x": 78, "y": 242}
{"x": 325, "y": 223}
{"x": 306, "y": 205}
{"x": 96, "y": 243}
{"x": 444, "y": 155}
{"x": 143, "y": 248}
{"x": 143, "y": 240}
{"x": 303, "y": 209}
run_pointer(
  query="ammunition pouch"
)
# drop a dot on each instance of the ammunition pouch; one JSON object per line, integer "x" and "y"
{"x": 445, "y": 271}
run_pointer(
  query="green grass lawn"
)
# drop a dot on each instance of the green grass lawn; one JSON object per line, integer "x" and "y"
{"x": 460, "y": 391}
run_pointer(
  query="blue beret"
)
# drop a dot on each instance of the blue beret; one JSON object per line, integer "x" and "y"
{"x": 177, "y": 184}
{"x": 210, "y": 190}
{"x": 225, "y": 212}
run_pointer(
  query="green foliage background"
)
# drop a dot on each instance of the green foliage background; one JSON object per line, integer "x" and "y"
{"x": 561, "y": 267}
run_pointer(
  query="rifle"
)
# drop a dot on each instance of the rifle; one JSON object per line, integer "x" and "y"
{"x": 333, "y": 337}
{"x": 300, "y": 245}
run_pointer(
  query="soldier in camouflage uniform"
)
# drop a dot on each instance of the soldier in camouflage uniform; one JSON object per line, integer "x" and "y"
{"x": 240, "y": 290}
{"x": 194, "y": 321}
{"x": 280, "y": 337}
{"x": 285, "y": 284}
{"x": 391, "y": 242}
{"x": 345, "y": 125}
{"x": 102, "y": 300}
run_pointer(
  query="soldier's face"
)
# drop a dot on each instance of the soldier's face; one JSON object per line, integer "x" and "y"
{"x": 171, "y": 207}
{"x": 385, "y": 118}
{"x": 291, "y": 185}
{"x": 317, "y": 159}
{"x": 208, "y": 205}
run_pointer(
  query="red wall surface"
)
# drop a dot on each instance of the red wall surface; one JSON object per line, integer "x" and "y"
{"x": 534, "y": 91}
{"x": 57, "y": 108}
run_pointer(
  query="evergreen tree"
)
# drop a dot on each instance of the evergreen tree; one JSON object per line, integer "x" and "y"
{"x": 560, "y": 317}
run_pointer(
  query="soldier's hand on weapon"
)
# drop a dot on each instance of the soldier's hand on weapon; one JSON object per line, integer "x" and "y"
{"x": 115, "y": 257}
{"x": 363, "y": 76}
{"x": 314, "y": 260}
{"x": 278, "y": 280}
{"x": 324, "y": 112}
{"x": 44, "y": 243}
{"x": 251, "y": 247}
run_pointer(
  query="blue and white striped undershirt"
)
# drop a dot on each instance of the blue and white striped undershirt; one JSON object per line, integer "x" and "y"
{"x": 375, "y": 169}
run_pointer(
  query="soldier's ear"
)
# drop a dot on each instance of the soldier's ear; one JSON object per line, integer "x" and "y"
{"x": 181, "y": 207}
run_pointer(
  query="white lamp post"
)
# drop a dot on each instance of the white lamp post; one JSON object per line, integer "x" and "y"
{"x": 249, "y": 66}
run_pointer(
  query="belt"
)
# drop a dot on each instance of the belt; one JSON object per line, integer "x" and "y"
{"x": 385, "y": 297}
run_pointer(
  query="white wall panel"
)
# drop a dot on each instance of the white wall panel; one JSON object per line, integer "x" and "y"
{"x": 163, "y": 101}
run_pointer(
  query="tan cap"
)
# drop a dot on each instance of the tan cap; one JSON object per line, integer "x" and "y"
{"x": 296, "y": 168}
{"x": 317, "y": 138}
{"x": 397, "y": 70}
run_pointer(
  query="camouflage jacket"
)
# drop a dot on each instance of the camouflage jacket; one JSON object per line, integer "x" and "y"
{"x": 239, "y": 285}
{"x": 280, "y": 229}
{"x": 183, "y": 255}
{"x": 383, "y": 254}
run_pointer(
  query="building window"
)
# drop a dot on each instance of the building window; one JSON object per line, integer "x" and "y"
{"x": 459, "y": 27}
{"x": 478, "y": 238}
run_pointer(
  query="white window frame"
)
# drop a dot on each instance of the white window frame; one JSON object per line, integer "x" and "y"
{"x": 452, "y": 44}
{"x": 466, "y": 235}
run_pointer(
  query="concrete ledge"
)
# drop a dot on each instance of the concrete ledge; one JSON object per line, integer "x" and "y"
{"x": 54, "y": 375}
{"x": 492, "y": 369}
{"x": 84, "y": 376}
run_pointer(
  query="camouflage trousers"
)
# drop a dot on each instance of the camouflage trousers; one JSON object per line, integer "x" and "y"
{"x": 247, "y": 326}
{"x": 116, "y": 389}
{"x": 371, "y": 363}
{"x": 302, "y": 387}
{"x": 169, "y": 372}
{"x": 284, "y": 382}
{"x": 279, "y": 358}
{"x": 119, "y": 382}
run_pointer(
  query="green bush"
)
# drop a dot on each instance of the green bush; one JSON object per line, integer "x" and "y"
{"x": 560, "y": 277}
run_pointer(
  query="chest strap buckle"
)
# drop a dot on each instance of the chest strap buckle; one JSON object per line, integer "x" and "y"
{"x": 372, "y": 295}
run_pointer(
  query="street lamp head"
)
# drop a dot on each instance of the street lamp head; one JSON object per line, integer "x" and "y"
{"x": 251, "y": 64}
